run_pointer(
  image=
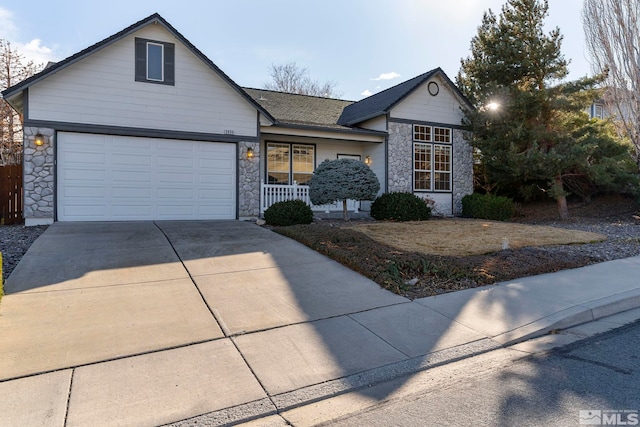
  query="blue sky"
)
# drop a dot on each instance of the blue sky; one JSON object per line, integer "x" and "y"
{"x": 363, "y": 45}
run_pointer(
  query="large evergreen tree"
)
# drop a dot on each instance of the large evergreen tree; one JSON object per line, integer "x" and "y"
{"x": 531, "y": 129}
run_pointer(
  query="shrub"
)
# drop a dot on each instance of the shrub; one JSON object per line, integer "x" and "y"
{"x": 289, "y": 212}
{"x": 487, "y": 206}
{"x": 400, "y": 207}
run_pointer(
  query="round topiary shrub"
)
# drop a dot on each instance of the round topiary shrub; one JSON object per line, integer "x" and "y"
{"x": 487, "y": 206}
{"x": 289, "y": 212}
{"x": 400, "y": 207}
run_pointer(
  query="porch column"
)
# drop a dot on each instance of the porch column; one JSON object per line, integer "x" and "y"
{"x": 249, "y": 180}
{"x": 38, "y": 176}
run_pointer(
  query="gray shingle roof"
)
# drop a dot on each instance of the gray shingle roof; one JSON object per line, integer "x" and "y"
{"x": 294, "y": 109}
{"x": 381, "y": 102}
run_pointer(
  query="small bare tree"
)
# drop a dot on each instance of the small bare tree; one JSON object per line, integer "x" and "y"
{"x": 612, "y": 29}
{"x": 13, "y": 69}
{"x": 290, "y": 78}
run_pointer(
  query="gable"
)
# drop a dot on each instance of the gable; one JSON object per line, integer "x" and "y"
{"x": 101, "y": 89}
{"x": 421, "y": 105}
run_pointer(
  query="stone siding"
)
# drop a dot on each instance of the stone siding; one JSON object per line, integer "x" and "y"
{"x": 38, "y": 176}
{"x": 400, "y": 157}
{"x": 249, "y": 181}
{"x": 462, "y": 169}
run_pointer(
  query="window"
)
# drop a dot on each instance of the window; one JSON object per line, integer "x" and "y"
{"x": 431, "y": 161}
{"x": 442, "y": 135}
{"x": 598, "y": 111}
{"x": 290, "y": 162}
{"x": 155, "y": 62}
{"x": 442, "y": 168}
{"x": 422, "y": 166}
{"x": 421, "y": 133}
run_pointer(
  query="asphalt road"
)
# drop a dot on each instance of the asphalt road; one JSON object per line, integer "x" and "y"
{"x": 599, "y": 376}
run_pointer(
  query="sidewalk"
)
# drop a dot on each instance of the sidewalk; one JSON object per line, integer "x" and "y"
{"x": 150, "y": 324}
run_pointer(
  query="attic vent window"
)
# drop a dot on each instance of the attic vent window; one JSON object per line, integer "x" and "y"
{"x": 155, "y": 61}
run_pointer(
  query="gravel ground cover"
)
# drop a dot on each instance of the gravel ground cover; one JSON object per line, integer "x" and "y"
{"x": 15, "y": 240}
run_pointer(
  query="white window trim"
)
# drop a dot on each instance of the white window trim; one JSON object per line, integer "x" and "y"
{"x": 433, "y": 167}
{"x": 420, "y": 143}
{"x": 433, "y": 171}
{"x": 291, "y": 158}
{"x": 161, "y": 61}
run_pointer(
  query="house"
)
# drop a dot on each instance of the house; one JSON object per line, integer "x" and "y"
{"x": 143, "y": 126}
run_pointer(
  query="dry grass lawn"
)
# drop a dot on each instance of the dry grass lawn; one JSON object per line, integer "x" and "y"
{"x": 461, "y": 237}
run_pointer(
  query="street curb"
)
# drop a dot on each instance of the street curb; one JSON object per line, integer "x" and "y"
{"x": 276, "y": 404}
{"x": 314, "y": 393}
{"x": 573, "y": 316}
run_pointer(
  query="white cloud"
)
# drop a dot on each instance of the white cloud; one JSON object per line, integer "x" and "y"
{"x": 33, "y": 50}
{"x": 367, "y": 93}
{"x": 387, "y": 76}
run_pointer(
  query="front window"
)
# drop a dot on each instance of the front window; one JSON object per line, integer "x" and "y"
{"x": 442, "y": 168}
{"x": 290, "y": 162}
{"x": 431, "y": 158}
{"x": 422, "y": 166}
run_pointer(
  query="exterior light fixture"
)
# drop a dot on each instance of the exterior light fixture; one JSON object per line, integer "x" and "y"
{"x": 39, "y": 140}
{"x": 250, "y": 153}
{"x": 367, "y": 160}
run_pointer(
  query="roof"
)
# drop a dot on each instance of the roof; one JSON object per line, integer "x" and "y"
{"x": 53, "y": 68}
{"x": 295, "y": 109}
{"x": 382, "y": 102}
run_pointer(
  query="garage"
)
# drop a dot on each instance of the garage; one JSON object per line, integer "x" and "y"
{"x": 119, "y": 178}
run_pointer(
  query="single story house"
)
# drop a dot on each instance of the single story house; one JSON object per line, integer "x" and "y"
{"x": 143, "y": 126}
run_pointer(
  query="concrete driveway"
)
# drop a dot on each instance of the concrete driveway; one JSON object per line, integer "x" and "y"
{"x": 133, "y": 320}
{"x": 213, "y": 322}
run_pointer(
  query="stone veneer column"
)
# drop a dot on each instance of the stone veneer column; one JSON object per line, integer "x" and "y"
{"x": 462, "y": 169}
{"x": 249, "y": 181}
{"x": 38, "y": 176}
{"x": 400, "y": 157}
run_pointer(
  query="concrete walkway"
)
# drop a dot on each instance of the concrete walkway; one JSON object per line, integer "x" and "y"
{"x": 145, "y": 323}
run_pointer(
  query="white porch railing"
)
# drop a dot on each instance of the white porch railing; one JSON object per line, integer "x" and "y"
{"x": 274, "y": 193}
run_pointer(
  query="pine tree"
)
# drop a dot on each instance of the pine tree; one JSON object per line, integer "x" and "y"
{"x": 539, "y": 137}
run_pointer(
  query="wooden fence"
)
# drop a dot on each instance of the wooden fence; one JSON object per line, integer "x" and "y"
{"x": 11, "y": 194}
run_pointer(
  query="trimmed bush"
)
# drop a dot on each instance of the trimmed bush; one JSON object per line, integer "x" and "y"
{"x": 487, "y": 206}
{"x": 342, "y": 179}
{"x": 400, "y": 207}
{"x": 289, "y": 212}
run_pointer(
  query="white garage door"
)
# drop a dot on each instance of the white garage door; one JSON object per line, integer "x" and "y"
{"x": 116, "y": 178}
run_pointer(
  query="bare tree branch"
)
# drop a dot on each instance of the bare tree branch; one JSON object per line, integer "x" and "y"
{"x": 13, "y": 70}
{"x": 290, "y": 78}
{"x": 612, "y": 30}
